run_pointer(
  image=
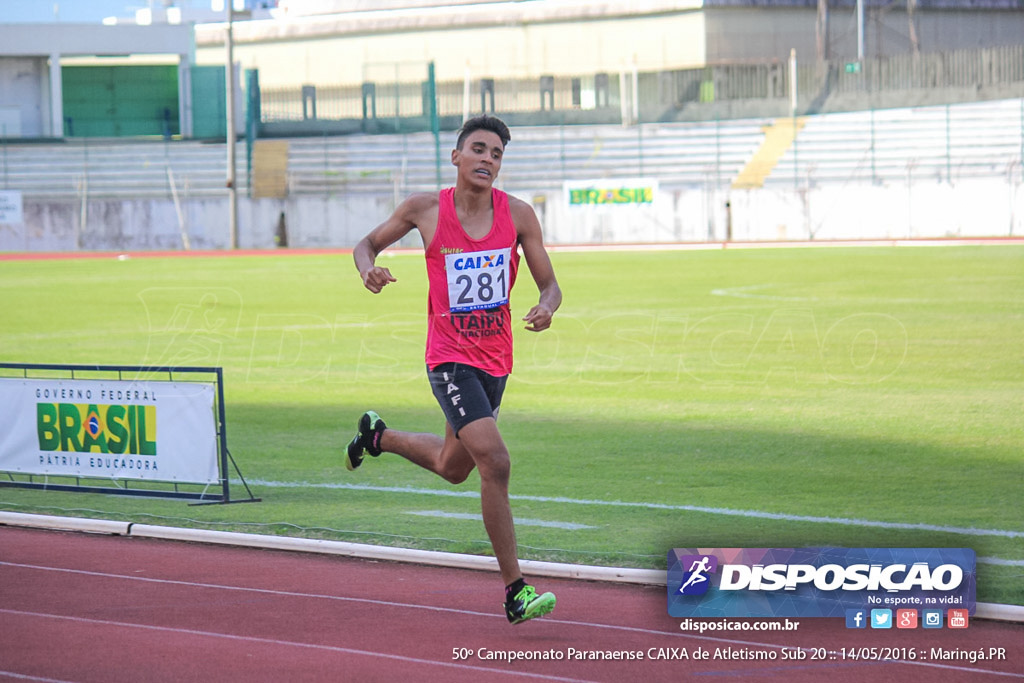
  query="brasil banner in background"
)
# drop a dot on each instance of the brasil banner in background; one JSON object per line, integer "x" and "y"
{"x": 159, "y": 431}
{"x": 611, "y": 192}
{"x": 817, "y": 582}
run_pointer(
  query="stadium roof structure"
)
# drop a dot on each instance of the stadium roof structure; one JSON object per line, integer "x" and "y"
{"x": 297, "y": 8}
{"x": 893, "y": 4}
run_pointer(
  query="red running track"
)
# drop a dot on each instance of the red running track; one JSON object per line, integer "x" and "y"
{"x": 84, "y": 607}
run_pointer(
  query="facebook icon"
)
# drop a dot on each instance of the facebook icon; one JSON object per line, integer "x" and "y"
{"x": 856, "y": 618}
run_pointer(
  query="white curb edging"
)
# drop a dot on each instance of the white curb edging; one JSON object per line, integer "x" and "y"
{"x": 651, "y": 577}
{"x": 97, "y": 526}
{"x": 377, "y": 552}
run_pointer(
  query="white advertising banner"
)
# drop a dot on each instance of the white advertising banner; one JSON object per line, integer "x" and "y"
{"x": 12, "y": 211}
{"x": 158, "y": 431}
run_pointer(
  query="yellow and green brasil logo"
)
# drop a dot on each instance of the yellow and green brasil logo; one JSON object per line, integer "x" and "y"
{"x": 92, "y": 428}
{"x": 587, "y": 196}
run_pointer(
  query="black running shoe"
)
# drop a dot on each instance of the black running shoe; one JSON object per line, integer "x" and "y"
{"x": 367, "y": 439}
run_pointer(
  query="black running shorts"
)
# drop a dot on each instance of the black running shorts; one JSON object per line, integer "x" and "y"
{"x": 465, "y": 393}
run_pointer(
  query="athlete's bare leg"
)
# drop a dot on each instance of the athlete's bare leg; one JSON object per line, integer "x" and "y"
{"x": 484, "y": 443}
{"x": 444, "y": 456}
{"x": 479, "y": 445}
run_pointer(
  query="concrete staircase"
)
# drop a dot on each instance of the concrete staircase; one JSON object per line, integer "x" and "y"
{"x": 778, "y": 138}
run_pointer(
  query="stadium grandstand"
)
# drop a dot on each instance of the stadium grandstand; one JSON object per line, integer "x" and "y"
{"x": 747, "y": 119}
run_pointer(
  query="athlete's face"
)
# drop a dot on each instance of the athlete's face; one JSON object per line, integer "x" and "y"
{"x": 479, "y": 158}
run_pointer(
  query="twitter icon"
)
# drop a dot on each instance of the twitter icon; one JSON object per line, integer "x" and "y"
{"x": 881, "y": 618}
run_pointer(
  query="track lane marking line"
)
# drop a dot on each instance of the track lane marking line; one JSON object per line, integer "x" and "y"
{"x": 287, "y": 643}
{"x": 386, "y": 603}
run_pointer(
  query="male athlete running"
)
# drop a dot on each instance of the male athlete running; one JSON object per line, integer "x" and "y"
{"x": 471, "y": 235}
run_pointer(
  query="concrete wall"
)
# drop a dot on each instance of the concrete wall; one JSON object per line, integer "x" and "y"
{"x": 153, "y": 224}
{"x": 25, "y": 104}
{"x": 527, "y": 41}
{"x": 740, "y": 34}
{"x": 515, "y": 50}
{"x": 93, "y": 39}
{"x": 974, "y": 208}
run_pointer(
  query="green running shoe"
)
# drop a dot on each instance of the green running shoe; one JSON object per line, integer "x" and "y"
{"x": 367, "y": 438}
{"x": 528, "y": 605}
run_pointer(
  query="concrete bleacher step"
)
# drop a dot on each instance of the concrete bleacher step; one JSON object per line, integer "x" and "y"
{"x": 116, "y": 168}
{"x": 778, "y": 138}
{"x": 959, "y": 141}
{"x": 270, "y": 169}
{"x": 940, "y": 143}
{"x": 540, "y": 157}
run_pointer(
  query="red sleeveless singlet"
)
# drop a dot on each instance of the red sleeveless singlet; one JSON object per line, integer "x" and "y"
{"x": 468, "y": 315}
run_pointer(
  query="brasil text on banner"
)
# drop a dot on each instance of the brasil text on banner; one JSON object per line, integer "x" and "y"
{"x": 611, "y": 192}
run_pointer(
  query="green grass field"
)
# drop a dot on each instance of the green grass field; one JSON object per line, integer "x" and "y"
{"x": 682, "y": 399}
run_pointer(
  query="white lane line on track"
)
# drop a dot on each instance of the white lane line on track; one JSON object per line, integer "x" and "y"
{"x": 37, "y": 679}
{"x": 755, "y": 514}
{"x": 387, "y": 603}
{"x": 288, "y": 643}
{"x": 265, "y": 591}
{"x": 520, "y": 521}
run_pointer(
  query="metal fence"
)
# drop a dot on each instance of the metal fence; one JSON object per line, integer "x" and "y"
{"x": 956, "y": 69}
{"x": 652, "y": 96}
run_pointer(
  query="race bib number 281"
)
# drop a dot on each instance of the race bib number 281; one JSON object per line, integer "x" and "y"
{"x": 478, "y": 279}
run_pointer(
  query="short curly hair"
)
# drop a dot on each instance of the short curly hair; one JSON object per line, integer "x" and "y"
{"x": 484, "y": 122}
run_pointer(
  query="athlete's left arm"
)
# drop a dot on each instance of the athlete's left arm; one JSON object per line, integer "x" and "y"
{"x": 531, "y": 239}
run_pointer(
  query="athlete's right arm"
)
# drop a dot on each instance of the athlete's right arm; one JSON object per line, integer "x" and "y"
{"x": 405, "y": 218}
